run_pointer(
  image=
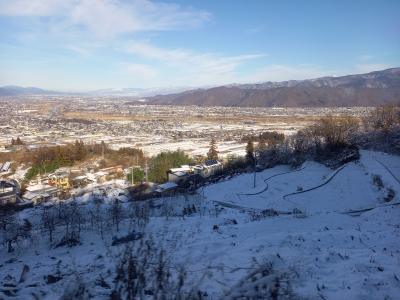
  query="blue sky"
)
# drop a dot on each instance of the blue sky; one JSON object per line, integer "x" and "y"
{"x": 95, "y": 44}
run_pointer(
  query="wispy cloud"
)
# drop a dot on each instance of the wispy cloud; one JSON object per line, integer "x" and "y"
{"x": 190, "y": 66}
{"x": 33, "y": 7}
{"x": 141, "y": 71}
{"x": 107, "y": 18}
{"x": 78, "y": 50}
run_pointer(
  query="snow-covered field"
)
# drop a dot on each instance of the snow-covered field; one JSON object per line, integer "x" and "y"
{"x": 309, "y": 233}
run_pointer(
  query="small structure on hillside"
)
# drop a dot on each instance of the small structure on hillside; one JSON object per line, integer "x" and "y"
{"x": 193, "y": 175}
{"x": 179, "y": 174}
{"x": 60, "y": 179}
{"x": 208, "y": 168}
{"x": 9, "y": 191}
{"x": 5, "y": 167}
{"x": 101, "y": 176}
{"x": 39, "y": 193}
{"x": 113, "y": 170}
{"x": 81, "y": 181}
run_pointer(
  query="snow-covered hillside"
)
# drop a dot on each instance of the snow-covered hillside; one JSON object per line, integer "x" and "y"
{"x": 309, "y": 233}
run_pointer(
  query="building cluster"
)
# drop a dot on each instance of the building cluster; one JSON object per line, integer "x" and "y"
{"x": 58, "y": 185}
{"x": 66, "y": 182}
{"x": 190, "y": 174}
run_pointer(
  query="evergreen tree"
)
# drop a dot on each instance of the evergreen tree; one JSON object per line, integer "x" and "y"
{"x": 19, "y": 142}
{"x": 12, "y": 142}
{"x": 103, "y": 148}
{"x": 262, "y": 146}
{"x": 79, "y": 150}
{"x": 138, "y": 175}
{"x": 250, "y": 152}
{"x": 213, "y": 152}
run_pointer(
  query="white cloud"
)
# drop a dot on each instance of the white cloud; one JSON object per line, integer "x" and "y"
{"x": 192, "y": 67}
{"x": 141, "y": 71}
{"x": 107, "y": 18}
{"x": 82, "y": 51}
{"x": 33, "y": 7}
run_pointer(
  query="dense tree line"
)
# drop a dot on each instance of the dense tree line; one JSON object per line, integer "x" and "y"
{"x": 332, "y": 140}
{"x": 266, "y": 137}
{"x": 380, "y": 130}
{"x": 160, "y": 164}
{"x": 48, "y": 159}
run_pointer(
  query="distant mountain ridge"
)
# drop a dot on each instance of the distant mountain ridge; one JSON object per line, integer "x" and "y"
{"x": 389, "y": 78}
{"x": 12, "y": 90}
{"x": 371, "y": 89}
{"x": 137, "y": 92}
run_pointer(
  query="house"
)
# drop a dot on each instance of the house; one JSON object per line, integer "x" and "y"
{"x": 81, "y": 181}
{"x": 208, "y": 168}
{"x": 9, "y": 190}
{"x": 4, "y": 168}
{"x": 40, "y": 193}
{"x": 60, "y": 179}
{"x": 113, "y": 170}
{"x": 98, "y": 177}
{"x": 184, "y": 173}
{"x": 179, "y": 174}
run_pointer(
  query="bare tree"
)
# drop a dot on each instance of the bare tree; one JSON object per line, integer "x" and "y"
{"x": 167, "y": 209}
{"x": 49, "y": 221}
{"x": 116, "y": 213}
{"x": 139, "y": 214}
{"x": 99, "y": 218}
{"x": 382, "y": 118}
{"x": 77, "y": 219}
{"x": 12, "y": 230}
{"x": 144, "y": 272}
{"x": 335, "y": 131}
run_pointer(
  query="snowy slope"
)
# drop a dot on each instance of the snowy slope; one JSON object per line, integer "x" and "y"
{"x": 327, "y": 252}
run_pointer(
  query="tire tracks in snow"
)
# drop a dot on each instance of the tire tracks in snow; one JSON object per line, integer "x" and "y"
{"x": 387, "y": 169}
{"x": 318, "y": 186}
{"x": 360, "y": 211}
{"x": 238, "y": 207}
{"x": 267, "y": 186}
{"x": 250, "y": 209}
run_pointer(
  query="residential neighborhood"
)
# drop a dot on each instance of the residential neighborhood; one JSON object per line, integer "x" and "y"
{"x": 67, "y": 182}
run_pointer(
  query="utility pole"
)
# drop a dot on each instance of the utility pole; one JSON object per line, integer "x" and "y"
{"x": 146, "y": 170}
{"x": 255, "y": 166}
